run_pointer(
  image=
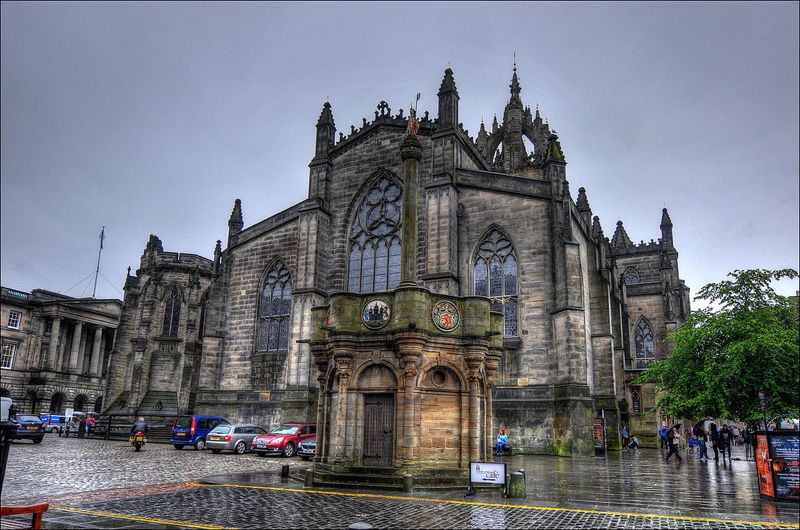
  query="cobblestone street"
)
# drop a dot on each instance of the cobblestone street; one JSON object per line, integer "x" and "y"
{"x": 99, "y": 484}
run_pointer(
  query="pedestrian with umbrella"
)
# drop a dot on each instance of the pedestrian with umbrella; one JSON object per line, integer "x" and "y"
{"x": 673, "y": 437}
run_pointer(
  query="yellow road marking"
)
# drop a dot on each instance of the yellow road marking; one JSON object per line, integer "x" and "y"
{"x": 113, "y": 515}
{"x": 499, "y": 505}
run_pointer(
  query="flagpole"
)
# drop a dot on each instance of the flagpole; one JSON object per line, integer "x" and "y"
{"x": 97, "y": 272}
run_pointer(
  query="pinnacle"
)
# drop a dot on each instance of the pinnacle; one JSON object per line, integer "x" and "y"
{"x": 326, "y": 116}
{"x": 583, "y": 200}
{"x": 621, "y": 239}
{"x": 665, "y": 219}
{"x": 236, "y": 214}
{"x": 448, "y": 83}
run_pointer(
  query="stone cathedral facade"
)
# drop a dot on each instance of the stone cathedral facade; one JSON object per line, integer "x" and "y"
{"x": 256, "y": 333}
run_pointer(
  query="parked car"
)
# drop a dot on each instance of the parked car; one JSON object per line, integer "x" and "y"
{"x": 284, "y": 439}
{"x": 192, "y": 430}
{"x": 307, "y": 448}
{"x": 237, "y": 437}
{"x": 52, "y": 422}
{"x": 29, "y": 427}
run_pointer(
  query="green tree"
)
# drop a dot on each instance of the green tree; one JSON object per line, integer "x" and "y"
{"x": 723, "y": 355}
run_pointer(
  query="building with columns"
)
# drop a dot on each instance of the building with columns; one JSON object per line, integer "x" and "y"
{"x": 55, "y": 349}
{"x": 402, "y": 316}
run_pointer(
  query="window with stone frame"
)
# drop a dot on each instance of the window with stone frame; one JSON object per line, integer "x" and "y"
{"x": 172, "y": 313}
{"x": 645, "y": 345}
{"x": 14, "y": 319}
{"x": 495, "y": 271}
{"x": 636, "y": 401}
{"x": 7, "y": 355}
{"x": 275, "y": 310}
{"x": 631, "y": 276}
{"x": 375, "y": 239}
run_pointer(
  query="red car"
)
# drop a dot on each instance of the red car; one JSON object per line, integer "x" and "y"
{"x": 283, "y": 440}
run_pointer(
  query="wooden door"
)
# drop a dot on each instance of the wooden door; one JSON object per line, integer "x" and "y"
{"x": 378, "y": 429}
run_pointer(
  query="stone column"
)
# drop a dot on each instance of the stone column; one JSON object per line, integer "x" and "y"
{"x": 76, "y": 345}
{"x": 474, "y": 357}
{"x": 411, "y": 153}
{"x": 52, "y": 352}
{"x": 410, "y": 346}
{"x": 321, "y": 362}
{"x": 492, "y": 364}
{"x": 94, "y": 367}
{"x": 343, "y": 359}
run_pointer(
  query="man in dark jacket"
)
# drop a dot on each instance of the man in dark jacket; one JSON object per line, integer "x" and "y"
{"x": 700, "y": 433}
{"x": 673, "y": 437}
{"x": 139, "y": 426}
{"x": 725, "y": 440}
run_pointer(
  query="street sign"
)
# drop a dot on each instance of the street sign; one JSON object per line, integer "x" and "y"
{"x": 69, "y": 413}
{"x": 487, "y": 473}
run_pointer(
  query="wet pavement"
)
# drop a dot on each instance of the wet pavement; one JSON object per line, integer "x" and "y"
{"x": 98, "y": 484}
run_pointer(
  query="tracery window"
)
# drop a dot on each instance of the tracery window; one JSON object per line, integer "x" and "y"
{"x": 645, "y": 344}
{"x": 496, "y": 277}
{"x": 172, "y": 313}
{"x": 636, "y": 400}
{"x": 375, "y": 239}
{"x": 631, "y": 276}
{"x": 275, "y": 310}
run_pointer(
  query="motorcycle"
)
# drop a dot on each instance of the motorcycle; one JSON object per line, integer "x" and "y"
{"x": 138, "y": 440}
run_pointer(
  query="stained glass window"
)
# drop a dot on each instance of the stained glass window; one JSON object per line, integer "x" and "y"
{"x": 495, "y": 271}
{"x": 172, "y": 313}
{"x": 276, "y": 307}
{"x": 631, "y": 276}
{"x": 645, "y": 344}
{"x": 375, "y": 240}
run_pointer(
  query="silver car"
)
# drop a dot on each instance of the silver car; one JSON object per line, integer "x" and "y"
{"x": 236, "y": 437}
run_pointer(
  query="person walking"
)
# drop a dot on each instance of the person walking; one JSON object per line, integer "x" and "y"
{"x": 748, "y": 449}
{"x": 673, "y": 438}
{"x": 702, "y": 438}
{"x": 714, "y": 433}
{"x": 725, "y": 440}
{"x": 624, "y": 437}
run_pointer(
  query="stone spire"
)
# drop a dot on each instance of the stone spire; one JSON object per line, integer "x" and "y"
{"x": 621, "y": 239}
{"x": 326, "y": 131}
{"x": 235, "y": 223}
{"x": 448, "y": 101}
{"x": 583, "y": 206}
{"x": 597, "y": 230}
{"x": 217, "y": 256}
{"x": 515, "y": 89}
{"x": 666, "y": 229}
{"x": 482, "y": 141}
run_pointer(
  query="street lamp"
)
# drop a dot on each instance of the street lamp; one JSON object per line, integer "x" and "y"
{"x": 762, "y": 401}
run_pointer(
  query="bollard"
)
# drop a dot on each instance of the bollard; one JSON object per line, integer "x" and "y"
{"x": 516, "y": 486}
{"x": 309, "y": 480}
{"x": 408, "y": 483}
{"x": 359, "y": 525}
{"x": 285, "y": 471}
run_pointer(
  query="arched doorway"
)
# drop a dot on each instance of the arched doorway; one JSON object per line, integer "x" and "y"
{"x": 80, "y": 403}
{"x": 57, "y": 403}
{"x": 378, "y": 384}
{"x": 98, "y": 404}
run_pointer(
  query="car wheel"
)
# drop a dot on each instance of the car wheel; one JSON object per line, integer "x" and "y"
{"x": 37, "y": 440}
{"x": 178, "y": 447}
{"x": 262, "y": 454}
{"x": 288, "y": 450}
{"x": 240, "y": 448}
{"x": 200, "y": 444}
{"x": 216, "y": 451}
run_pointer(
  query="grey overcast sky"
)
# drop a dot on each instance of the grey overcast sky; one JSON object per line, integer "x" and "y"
{"x": 153, "y": 117}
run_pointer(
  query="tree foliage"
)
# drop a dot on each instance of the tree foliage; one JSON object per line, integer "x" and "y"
{"x": 724, "y": 355}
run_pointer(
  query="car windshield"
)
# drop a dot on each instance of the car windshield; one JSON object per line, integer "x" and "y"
{"x": 222, "y": 429}
{"x": 184, "y": 422}
{"x": 29, "y": 418}
{"x": 286, "y": 429}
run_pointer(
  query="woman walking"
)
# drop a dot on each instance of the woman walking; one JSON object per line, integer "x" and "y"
{"x": 673, "y": 437}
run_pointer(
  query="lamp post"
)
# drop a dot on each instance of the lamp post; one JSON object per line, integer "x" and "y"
{"x": 762, "y": 401}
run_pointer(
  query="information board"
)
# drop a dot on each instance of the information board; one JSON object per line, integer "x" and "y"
{"x": 487, "y": 473}
{"x": 599, "y": 433}
{"x": 785, "y": 451}
{"x": 69, "y": 413}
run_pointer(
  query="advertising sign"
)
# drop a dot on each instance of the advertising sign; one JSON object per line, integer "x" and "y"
{"x": 599, "y": 433}
{"x": 785, "y": 450}
{"x": 487, "y": 473}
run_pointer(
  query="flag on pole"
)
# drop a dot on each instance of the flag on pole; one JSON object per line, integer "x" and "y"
{"x": 102, "y": 237}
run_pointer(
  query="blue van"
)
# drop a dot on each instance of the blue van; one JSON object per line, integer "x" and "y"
{"x": 52, "y": 422}
{"x": 192, "y": 430}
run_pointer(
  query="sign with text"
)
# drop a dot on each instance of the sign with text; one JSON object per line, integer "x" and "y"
{"x": 784, "y": 448}
{"x": 69, "y": 413}
{"x": 599, "y": 433}
{"x": 487, "y": 473}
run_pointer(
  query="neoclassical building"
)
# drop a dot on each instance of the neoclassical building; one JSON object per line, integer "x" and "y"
{"x": 306, "y": 315}
{"x": 56, "y": 350}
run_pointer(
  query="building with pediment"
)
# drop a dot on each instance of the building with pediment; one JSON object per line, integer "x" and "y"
{"x": 308, "y": 315}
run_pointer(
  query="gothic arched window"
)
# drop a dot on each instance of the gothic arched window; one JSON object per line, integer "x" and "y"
{"x": 645, "y": 344}
{"x": 275, "y": 310}
{"x": 375, "y": 239}
{"x": 631, "y": 276}
{"x": 172, "y": 313}
{"x": 636, "y": 401}
{"x": 496, "y": 277}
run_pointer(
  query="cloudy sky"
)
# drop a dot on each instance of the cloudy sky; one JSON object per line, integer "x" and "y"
{"x": 154, "y": 117}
